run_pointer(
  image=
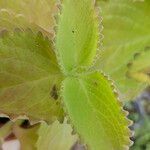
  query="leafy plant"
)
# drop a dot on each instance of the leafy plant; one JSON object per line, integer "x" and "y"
{"x": 126, "y": 34}
{"x": 46, "y": 80}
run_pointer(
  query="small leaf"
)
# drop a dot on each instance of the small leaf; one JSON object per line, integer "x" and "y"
{"x": 28, "y": 75}
{"x": 139, "y": 68}
{"x": 95, "y": 112}
{"x": 55, "y": 137}
{"x": 126, "y": 31}
{"x": 77, "y": 35}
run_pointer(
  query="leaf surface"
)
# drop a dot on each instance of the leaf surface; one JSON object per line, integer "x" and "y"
{"x": 77, "y": 35}
{"x": 126, "y": 32}
{"x": 55, "y": 137}
{"x": 38, "y": 12}
{"x": 29, "y": 77}
{"x": 95, "y": 112}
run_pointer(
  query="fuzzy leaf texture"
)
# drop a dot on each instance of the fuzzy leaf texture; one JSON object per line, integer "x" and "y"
{"x": 89, "y": 99}
{"x": 29, "y": 76}
{"x": 95, "y": 112}
{"x": 126, "y": 32}
{"x": 77, "y": 35}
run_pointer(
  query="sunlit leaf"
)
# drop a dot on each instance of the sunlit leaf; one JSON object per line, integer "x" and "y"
{"x": 95, "y": 112}
{"x": 29, "y": 76}
{"x": 77, "y": 35}
{"x": 126, "y": 32}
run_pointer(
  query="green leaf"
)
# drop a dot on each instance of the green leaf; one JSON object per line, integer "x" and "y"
{"x": 55, "y": 137}
{"x": 37, "y": 12}
{"x": 77, "y": 35}
{"x": 139, "y": 68}
{"x": 95, "y": 112}
{"x": 126, "y": 32}
{"x": 29, "y": 76}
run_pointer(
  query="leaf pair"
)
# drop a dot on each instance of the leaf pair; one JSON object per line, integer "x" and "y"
{"x": 88, "y": 96}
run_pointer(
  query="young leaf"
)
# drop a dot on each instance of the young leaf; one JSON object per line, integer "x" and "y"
{"x": 29, "y": 76}
{"x": 77, "y": 35}
{"x": 139, "y": 68}
{"x": 55, "y": 137}
{"x": 95, "y": 112}
{"x": 126, "y": 31}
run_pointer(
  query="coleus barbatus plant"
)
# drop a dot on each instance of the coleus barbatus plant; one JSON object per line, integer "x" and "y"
{"x": 34, "y": 78}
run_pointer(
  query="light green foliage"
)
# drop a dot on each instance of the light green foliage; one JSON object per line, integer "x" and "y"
{"x": 139, "y": 68}
{"x": 29, "y": 76}
{"x": 88, "y": 97}
{"x": 77, "y": 35}
{"x": 41, "y": 136}
{"x": 100, "y": 123}
{"x": 22, "y": 12}
{"x": 11, "y": 21}
{"x": 30, "y": 81}
{"x": 55, "y": 137}
{"x": 126, "y": 32}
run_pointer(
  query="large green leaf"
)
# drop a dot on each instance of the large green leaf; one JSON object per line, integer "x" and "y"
{"x": 126, "y": 31}
{"x": 95, "y": 112}
{"x": 29, "y": 76}
{"x": 39, "y": 12}
{"x": 77, "y": 35}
